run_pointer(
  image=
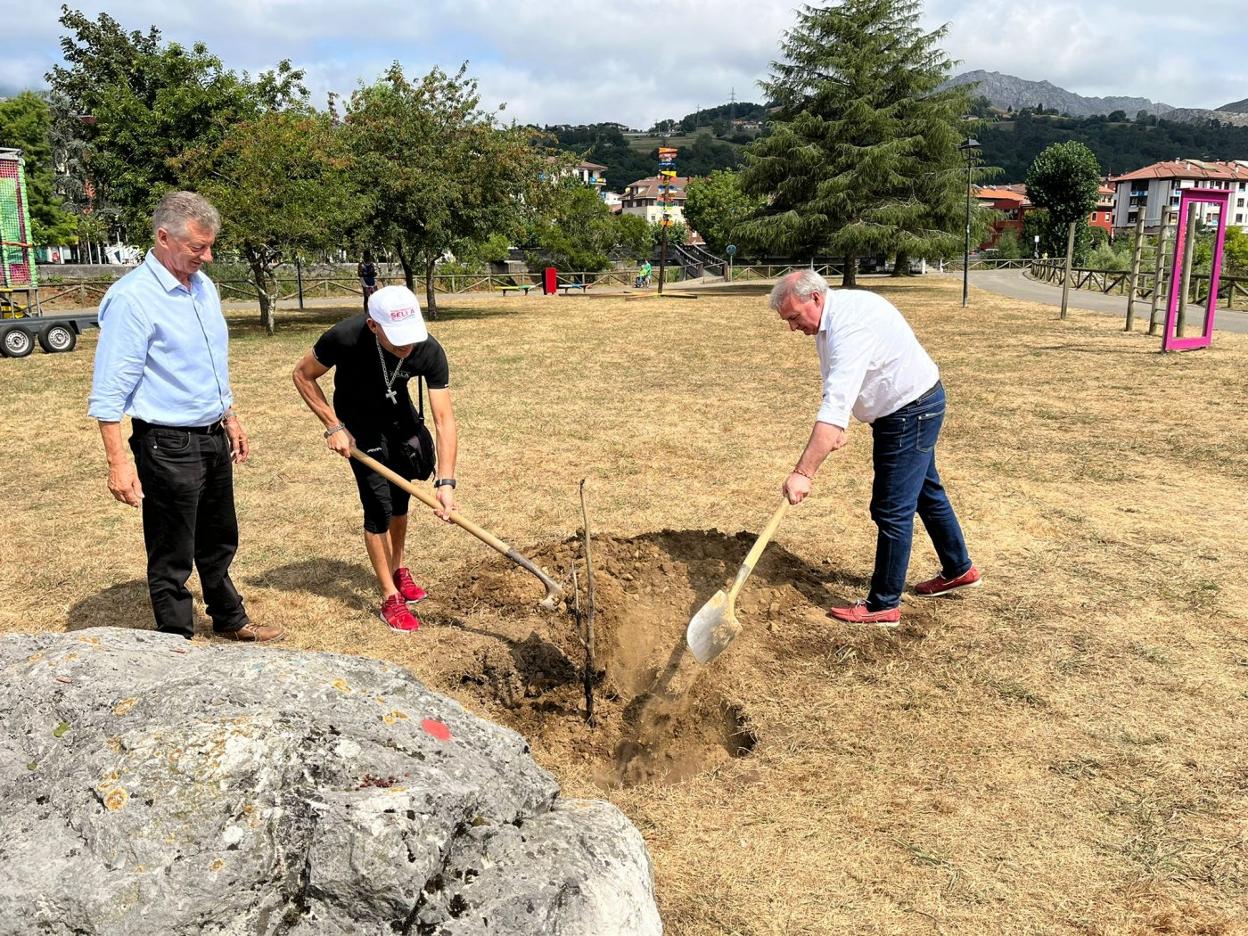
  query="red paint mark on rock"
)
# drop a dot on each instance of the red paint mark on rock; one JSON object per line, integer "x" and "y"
{"x": 436, "y": 728}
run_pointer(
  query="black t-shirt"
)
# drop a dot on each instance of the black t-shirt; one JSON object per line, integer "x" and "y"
{"x": 360, "y": 397}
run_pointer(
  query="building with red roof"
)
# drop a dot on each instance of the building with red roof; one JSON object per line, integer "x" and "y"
{"x": 1156, "y": 189}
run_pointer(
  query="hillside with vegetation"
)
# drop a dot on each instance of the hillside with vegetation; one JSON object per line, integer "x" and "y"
{"x": 1120, "y": 144}
{"x": 708, "y": 139}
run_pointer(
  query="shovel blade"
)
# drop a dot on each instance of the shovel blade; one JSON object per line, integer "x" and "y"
{"x": 712, "y": 628}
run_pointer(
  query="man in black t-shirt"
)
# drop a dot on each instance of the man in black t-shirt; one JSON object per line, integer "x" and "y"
{"x": 374, "y": 357}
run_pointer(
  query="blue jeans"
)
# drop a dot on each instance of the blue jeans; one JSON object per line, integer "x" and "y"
{"x": 906, "y": 482}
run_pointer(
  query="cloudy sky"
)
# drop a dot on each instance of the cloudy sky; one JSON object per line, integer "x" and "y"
{"x": 578, "y": 62}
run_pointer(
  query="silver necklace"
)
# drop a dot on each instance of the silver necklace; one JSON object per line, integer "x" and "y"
{"x": 391, "y": 394}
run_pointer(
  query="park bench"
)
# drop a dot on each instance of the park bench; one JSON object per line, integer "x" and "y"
{"x": 524, "y": 288}
{"x": 566, "y": 287}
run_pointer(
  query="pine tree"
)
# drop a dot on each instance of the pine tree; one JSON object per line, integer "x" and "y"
{"x": 863, "y": 157}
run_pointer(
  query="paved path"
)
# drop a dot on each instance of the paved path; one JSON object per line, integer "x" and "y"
{"x": 1012, "y": 283}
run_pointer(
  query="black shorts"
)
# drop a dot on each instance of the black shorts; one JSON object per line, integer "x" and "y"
{"x": 381, "y": 499}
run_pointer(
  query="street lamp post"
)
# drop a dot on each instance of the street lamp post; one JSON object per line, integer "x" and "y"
{"x": 968, "y": 150}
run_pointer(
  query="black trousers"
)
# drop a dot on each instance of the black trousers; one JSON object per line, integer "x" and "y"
{"x": 188, "y": 517}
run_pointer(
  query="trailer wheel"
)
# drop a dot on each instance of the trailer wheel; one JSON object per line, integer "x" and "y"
{"x": 57, "y": 338}
{"x": 17, "y": 342}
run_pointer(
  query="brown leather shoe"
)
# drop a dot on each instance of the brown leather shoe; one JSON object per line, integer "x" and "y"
{"x": 251, "y": 632}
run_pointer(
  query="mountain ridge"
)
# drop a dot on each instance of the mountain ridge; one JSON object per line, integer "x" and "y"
{"x": 1010, "y": 91}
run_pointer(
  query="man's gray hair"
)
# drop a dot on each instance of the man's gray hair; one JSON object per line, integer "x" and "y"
{"x": 801, "y": 284}
{"x": 177, "y": 208}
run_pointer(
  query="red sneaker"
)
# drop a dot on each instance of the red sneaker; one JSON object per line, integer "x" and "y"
{"x": 859, "y": 614}
{"x": 942, "y": 586}
{"x": 394, "y": 612}
{"x": 407, "y": 588}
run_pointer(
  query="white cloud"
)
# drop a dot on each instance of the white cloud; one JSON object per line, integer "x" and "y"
{"x": 1190, "y": 56}
{"x": 637, "y": 62}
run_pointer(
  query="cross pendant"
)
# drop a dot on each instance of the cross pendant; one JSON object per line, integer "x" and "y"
{"x": 392, "y": 397}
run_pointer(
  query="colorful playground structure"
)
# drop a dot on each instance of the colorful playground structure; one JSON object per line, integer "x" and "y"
{"x": 19, "y": 277}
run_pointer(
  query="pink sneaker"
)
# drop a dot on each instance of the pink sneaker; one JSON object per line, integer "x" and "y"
{"x": 942, "y": 586}
{"x": 859, "y": 614}
{"x": 407, "y": 588}
{"x": 394, "y": 612}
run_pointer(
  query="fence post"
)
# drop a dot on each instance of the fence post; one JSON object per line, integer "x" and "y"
{"x": 1159, "y": 273}
{"x": 1136, "y": 252}
{"x": 299, "y": 279}
{"x": 1070, "y": 253}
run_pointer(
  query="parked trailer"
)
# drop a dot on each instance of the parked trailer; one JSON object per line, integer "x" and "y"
{"x": 22, "y": 323}
{"x": 53, "y": 333}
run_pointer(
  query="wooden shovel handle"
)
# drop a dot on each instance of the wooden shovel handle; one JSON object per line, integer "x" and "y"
{"x": 553, "y": 589}
{"x": 747, "y": 566}
{"x": 429, "y": 500}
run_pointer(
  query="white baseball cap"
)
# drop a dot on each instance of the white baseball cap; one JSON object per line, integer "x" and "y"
{"x": 397, "y": 310}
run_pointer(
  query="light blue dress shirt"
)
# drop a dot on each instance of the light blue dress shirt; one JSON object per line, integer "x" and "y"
{"x": 163, "y": 354}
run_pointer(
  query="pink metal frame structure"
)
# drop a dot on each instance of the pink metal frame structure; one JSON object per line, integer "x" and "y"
{"x": 1191, "y": 197}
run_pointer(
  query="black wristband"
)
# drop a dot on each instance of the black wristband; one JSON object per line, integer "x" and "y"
{"x": 445, "y": 482}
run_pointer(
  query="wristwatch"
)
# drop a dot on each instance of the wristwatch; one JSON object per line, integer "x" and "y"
{"x": 445, "y": 482}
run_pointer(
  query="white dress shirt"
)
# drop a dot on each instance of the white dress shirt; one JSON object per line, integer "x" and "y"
{"x": 872, "y": 363}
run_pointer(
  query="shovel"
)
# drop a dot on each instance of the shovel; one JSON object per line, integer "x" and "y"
{"x": 553, "y": 591}
{"x": 713, "y": 627}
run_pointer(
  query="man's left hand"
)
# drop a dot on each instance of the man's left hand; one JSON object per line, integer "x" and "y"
{"x": 239, "y": 447}
{"x": 446, "y": 497}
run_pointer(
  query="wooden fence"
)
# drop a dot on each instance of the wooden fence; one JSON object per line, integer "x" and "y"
{"x": 1232, "y": 290}
{"x": 989, "y": 263}
{"x": 85, "y": 294}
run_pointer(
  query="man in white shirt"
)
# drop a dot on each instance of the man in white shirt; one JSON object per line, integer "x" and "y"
{"x": 875, "y": 369}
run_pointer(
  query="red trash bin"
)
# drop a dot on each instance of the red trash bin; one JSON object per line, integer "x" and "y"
{"x": 550, "y": 281}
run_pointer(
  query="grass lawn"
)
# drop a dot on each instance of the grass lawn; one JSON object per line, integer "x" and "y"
{"x": 1062, "y": 752}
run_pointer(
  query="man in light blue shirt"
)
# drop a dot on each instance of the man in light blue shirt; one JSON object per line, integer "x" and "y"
{"x": 163, "y": 360}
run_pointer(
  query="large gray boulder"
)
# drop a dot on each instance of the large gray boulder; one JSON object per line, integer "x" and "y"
{"x": 148, "y": 785}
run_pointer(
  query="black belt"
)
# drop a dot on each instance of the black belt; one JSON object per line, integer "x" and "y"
{"x": 929, "y": 393}
{"x": 142, "y": 427}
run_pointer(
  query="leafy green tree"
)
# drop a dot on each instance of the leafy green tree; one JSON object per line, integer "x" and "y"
{"x": 576, "y": 231}
{"x": 26, "y": 124}
{"x": 677, "y": 234}
{"x": 704, "y": 155}
{"x": 715, "y": 206}
{"x": 1235, "y": 252}
{"x": 1063, "y": 181}
{"x": 440, "y": 171}
{"x": 127, "y": 106}
{"x": 632, "y": 236}
{"x": 863, "y": 158}
{"x": 1010, "y": 245}
{"x": 283, "y": 187}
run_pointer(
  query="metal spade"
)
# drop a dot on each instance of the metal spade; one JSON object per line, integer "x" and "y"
{"x": 713, "y": 627}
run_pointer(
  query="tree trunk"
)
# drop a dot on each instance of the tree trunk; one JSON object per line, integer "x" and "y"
{"x": 1070, "y": 253}
{"x": 849, "y": 277}
{"x": 409, "y": 278}
{"x": 901, "y": 266}
{"x": 263, "y": 278}
{"x": 431, "y": 301}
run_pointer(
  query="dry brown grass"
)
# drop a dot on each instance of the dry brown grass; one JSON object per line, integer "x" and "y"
{"x": 1063, "y": 752}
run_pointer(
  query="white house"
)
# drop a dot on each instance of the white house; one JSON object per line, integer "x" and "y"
{"x": 1156, "y": 188}
{"x": 642, "y": 198}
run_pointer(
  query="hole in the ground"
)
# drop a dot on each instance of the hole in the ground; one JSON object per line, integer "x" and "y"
{"x": 660, "y": 716}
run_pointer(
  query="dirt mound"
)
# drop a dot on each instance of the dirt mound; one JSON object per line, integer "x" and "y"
{"x": 660, "y": 716}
